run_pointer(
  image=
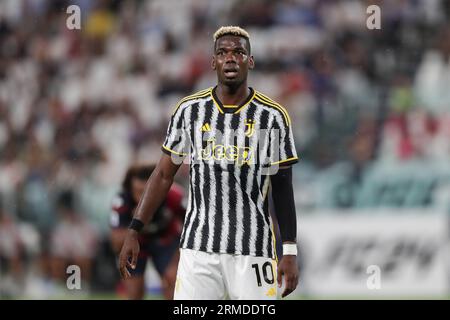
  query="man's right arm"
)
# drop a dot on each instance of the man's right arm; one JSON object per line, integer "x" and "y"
{"x": 155, "y": 192}
{"x": 158, "y": 185}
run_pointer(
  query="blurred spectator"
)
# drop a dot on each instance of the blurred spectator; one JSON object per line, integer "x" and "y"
{"x": 158, "y": 241}
{"x": 433, "y": 75}
{"x": 11, "y": 263}
{"x": 73, "y": 242}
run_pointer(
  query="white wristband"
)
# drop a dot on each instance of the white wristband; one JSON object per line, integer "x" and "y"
{"x": 289, "y": 249}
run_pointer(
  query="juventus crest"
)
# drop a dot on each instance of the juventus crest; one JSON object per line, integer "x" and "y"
{"x": 250, "y": 125}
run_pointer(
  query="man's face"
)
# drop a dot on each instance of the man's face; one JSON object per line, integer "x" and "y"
{"x": 232, "y": 60}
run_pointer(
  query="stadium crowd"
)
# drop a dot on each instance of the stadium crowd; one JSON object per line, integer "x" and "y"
{"x": 370, "y": 109}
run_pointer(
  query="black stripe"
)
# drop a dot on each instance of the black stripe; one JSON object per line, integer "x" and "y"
{"x": 206, "y": 187}
{"x": 264, "y": 118}
{"x": 196, "y": 175}
{"x": 233, "y": 185}
{"x": 266, "y": 215}
{"x": 193, "y": 117}
{"x": 259, "y": 219}
{"x": 288, "y": 144}
{"x": 205, "y": 229}
{"x": 278, "y": 126}
{"x": 176, "y": 126}
{"x": 275, "y": 144}
{"x": 247, "y": 213}
{"x": 188, "y": 214}
{"x": 247, "y": 208}
{"x": 218, "y": 215}
{"x": 232, "y": 226}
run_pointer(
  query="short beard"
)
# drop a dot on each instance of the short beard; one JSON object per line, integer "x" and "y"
{"x": 233, "y": 85}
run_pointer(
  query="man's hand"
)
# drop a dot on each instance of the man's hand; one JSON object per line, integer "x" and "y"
{"x": 287, "y": 267}
{"x": 130, "y": 249}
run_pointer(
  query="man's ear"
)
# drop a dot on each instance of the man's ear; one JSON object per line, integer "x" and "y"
{"x": 251, "y": 62}
{"x": 213, "y": 63}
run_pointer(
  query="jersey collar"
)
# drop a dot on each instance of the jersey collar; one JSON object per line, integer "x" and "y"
{"x": 233, "y": 110}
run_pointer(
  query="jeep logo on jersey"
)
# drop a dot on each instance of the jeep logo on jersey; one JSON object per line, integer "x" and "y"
{"x": 219, "y": 152}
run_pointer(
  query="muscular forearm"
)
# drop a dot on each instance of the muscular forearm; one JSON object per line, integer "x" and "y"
{"x": 283, "y": 198}
{"x": 155, "y": 192}
{"x": 156, "y": 189}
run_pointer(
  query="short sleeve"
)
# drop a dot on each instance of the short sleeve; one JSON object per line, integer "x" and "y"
{"x": 282, "y": 144}
{"x": 121, "y": 213}
{"x": 176, "y": 142}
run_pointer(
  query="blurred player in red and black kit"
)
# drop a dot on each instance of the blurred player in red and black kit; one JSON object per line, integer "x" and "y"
{"x": 161, "y": 238}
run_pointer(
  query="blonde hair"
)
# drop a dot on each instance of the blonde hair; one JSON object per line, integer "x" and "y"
{"x": 233, "y": 31}
{"x": 230, "y": 30}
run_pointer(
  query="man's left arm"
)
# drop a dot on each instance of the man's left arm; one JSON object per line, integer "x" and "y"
{"x": 283, "y": 199}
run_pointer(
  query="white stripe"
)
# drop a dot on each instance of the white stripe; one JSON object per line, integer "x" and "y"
{"x": 213, "y": 187}
{"x": 225, "y": 189}
{"x": 198, "y": 143}
{"x": 272, "y": 253}
{"x": 291, "y": 142}
{"x": 239, "y": 196}
{"x": 265, "y": 188}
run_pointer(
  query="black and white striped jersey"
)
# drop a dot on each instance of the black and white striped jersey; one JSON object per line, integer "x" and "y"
{"x": 231, "y": 150}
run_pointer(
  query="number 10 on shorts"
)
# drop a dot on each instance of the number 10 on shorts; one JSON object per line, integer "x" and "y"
{"x": 267, "y": 272}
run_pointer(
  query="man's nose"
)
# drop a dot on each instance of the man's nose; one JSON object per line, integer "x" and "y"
{"x": 230, "y": 56}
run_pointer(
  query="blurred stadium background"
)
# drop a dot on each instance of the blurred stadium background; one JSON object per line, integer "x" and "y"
{"x": 371, "y": 114}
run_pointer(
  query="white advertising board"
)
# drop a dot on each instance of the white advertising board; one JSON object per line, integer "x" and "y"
{"x": 370, "y": 254}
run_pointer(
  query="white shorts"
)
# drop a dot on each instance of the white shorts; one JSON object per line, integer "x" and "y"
{"x": 217, "y": 276}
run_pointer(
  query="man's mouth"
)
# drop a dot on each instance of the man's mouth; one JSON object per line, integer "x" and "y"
{"x": 230, "y": 72}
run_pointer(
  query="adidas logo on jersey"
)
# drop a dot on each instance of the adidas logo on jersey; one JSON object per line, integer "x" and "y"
{"x": 206, "y": 127}
{"x": 271, "y": 292}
